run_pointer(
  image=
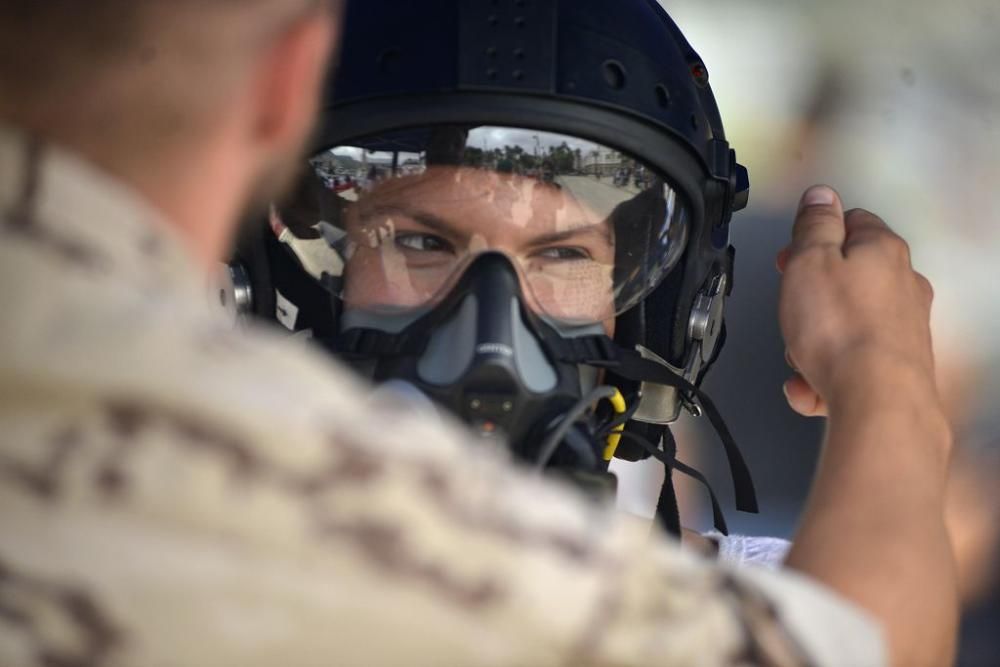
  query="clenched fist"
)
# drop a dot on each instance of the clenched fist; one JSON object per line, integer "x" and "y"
{"x": 854, "y": 314}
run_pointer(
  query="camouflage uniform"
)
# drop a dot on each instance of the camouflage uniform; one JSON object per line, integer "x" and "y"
{"x": 175, "y": 492}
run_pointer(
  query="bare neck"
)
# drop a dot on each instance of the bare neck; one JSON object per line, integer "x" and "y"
{"x": 200, "y": 199}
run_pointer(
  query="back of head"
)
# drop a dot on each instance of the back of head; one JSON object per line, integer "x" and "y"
{"x": 136, "y": 75}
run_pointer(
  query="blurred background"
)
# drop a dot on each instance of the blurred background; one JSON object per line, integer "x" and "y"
{"x": 896, "y": 103}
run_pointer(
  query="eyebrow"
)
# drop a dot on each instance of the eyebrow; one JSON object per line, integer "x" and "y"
{"x": 445, "y": 228}
{"x": 429, "y": 220}
{"x": 602, "y": 229}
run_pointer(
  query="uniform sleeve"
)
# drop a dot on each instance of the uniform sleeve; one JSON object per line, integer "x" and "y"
{"x": 832, "y": 631}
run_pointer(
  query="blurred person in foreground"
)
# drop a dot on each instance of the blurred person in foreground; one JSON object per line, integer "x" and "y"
{"x": 175, "y": 493}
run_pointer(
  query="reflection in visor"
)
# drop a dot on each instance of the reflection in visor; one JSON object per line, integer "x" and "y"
{"x": 590, "y": 230}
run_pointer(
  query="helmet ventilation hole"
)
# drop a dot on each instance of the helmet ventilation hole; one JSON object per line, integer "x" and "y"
{"x": 662, "y": 96}
{"x": 614, "y": 74}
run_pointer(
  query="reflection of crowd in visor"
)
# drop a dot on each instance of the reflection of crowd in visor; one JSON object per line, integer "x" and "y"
{"x": 584, "y": 250}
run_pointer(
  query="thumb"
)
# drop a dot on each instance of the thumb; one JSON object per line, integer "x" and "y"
{"x": 802, "y": 398}
{"x": 820, "y": 220}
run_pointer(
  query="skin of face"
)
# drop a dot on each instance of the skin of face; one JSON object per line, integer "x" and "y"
{"x": 414, "y": 235}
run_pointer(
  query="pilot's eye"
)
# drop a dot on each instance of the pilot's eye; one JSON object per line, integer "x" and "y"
{"x": 422, "y": 242}
{"x": 561, "y": 253}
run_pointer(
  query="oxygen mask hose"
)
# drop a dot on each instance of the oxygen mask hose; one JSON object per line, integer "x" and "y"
{"x": 551, "y": 443}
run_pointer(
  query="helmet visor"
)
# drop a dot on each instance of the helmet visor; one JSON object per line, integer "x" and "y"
{"x": 390, "y": 222}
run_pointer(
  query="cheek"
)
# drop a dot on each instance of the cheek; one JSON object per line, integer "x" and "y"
{"x": 383, "y": 278}
{"x": 363, "y": 284}
{"x": 573, "y": 292}
{"x": 369, "y": 280}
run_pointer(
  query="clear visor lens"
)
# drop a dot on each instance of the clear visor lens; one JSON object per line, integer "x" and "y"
{"x": 390, "y": 222}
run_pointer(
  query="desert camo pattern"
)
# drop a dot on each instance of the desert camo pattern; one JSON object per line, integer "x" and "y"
{"x": 174, "y": 491}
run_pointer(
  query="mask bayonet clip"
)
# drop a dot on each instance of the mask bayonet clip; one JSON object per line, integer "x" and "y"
{"x": 660, "y": 404}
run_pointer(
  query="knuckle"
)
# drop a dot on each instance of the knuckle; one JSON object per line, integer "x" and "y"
{"x": 884, "y": 242}
{"x": 898, "y": 248}
{"x": 863, "y": 216}
{"x": 925, "y": 286}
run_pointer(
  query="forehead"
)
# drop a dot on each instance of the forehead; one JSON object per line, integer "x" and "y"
{"x": 465, "y": 195}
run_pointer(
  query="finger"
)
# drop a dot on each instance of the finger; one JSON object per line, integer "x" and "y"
{"x": 925, "y": 286}
{"x": 802, "y": 398}
{"x": 860, "y": 220}
{"x": 863, "y": 227}
{"x": 790, "y": 361}
{"x": 782, "y": 259}
{"x": 820, "y": 220}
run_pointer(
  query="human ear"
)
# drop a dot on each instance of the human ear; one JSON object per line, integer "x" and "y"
{"x": 289, "y": 82}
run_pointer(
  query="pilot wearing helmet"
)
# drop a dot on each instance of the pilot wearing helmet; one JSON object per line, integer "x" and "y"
{"x": 490, "y": 268}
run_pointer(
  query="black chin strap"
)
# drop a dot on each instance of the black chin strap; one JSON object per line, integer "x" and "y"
{"x": 632, "y": 366}
{"x": 666, "y": 506}
{"x": 629, "y": 364}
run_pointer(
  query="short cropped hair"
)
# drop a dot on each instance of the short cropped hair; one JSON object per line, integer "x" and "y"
{"x": 98, "y": 63}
